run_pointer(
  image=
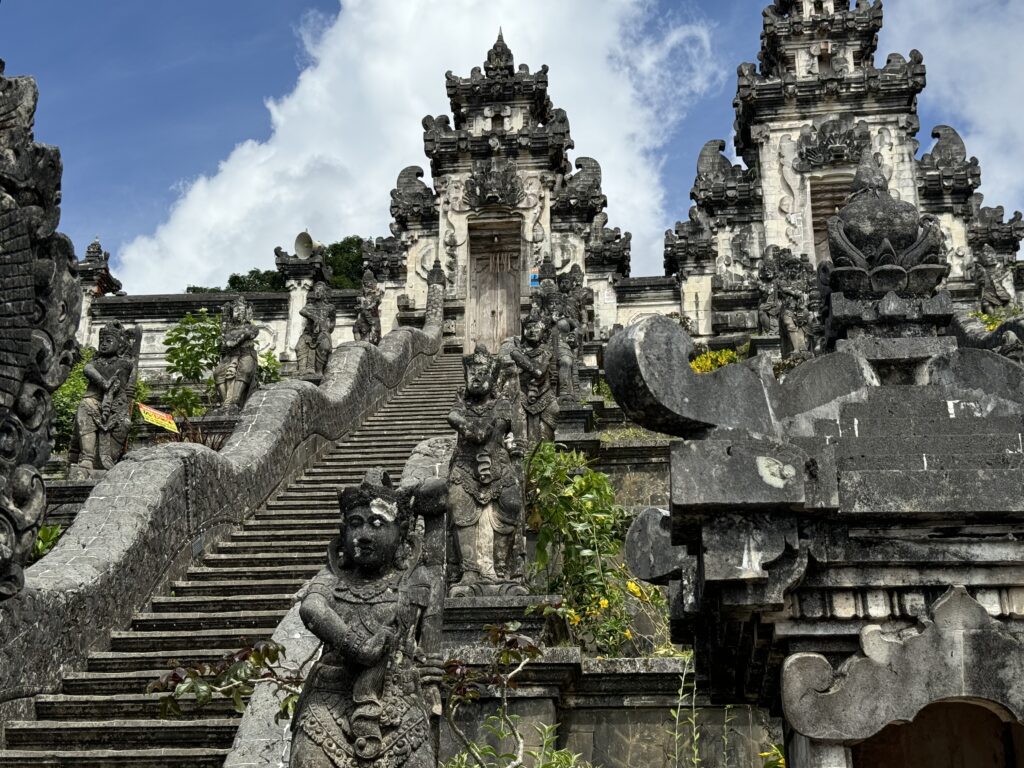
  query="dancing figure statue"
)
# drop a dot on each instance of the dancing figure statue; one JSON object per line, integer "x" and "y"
{"x": 315, "y": 344}
{"x": 485, "y": 493}
{"x": 235, "y": 376}
{"x": 367, "y": 325}
{"x": 533, "y": 357}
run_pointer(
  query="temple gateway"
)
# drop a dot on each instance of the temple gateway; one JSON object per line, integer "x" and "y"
{"x": 512, "y": 505}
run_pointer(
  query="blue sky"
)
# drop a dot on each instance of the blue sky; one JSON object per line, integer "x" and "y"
{"x": 192, "y": 146}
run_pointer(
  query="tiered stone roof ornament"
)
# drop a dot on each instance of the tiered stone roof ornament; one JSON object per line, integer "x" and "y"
{"x": 94, "y": 271}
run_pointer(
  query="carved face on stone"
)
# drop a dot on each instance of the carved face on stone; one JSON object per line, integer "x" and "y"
{"x": 318, "y": 292}
{"x": 564, "y": 283}
{"x": 372, "y": 535}
{"x": 112, "y": 339}
{"x": 533, "y": 332}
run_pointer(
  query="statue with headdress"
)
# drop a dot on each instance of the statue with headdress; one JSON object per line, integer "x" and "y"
{"x": 367, "y": 324}
{"x": 104, "y": 416}
{"x": 316, "y": 343}
{"x": 236, "y": 374}
{"x": 485, "y": 485}
{"x": 368, "y": 701}
{"x": 532, "y": 357}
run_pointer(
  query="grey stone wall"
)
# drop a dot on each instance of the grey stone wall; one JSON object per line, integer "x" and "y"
{"x": 161, "y": 506}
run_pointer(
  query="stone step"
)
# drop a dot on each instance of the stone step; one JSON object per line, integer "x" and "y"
{"x": 933, "y": 461}
{"x": 130, "y": 681}
{"x": 170, "y": 621}
{"x": 228, "y": 601}
{"x": 270, "y": 544}
{"x": 337, "y": 479}
{"x": 306, "y": 533}
{"x": 128, "y": 706}
{"x": 222, "y": 587}
{"x": 160, "y": 659}
{"x": 269, "y": 524}
{"x": 122, "y": 734}
{"x": 933, "y": 495}
{"x": 270, "y": 572}
{"x": 217, "y": 560}
{"x": 287, "y": 509}
{"x": 170, "y": 642}
{"x": 173, "y": 757}
{"x": 907, "y": 444}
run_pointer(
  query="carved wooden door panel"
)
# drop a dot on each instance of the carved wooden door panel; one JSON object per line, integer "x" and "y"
{"x": 495, "y": 279}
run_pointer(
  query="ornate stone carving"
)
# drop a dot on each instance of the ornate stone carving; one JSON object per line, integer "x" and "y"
{"x": 536, "y": 397}
{"x": 881, "y": 245}
{"x": 994, "y": 280}
{"x": 607, "y": 248}
{"x": 495, "y": 182}
{"x": 367, "y": 324}
{"x": 412, "y": 202}
{"x": 691, "y": 249}
{"x": 837, "y": 140}
{"x": 580, "y": 193}
{"x": 94, "y": 271}
{"x": 769, "y": 305}
{"x": 385, "y": 257}
{"x": 958, "y": 652}
{"x": 799, "y": 300}
{"x": 236, "y": 375}
{"x": 39, "y": 310}
{"x": 988, "y": 226}
{"x": 105, "y": 414}
{"x": 370, "y": 697}
{"x": 315, "y": 344}
{"x": 485, "y": 494}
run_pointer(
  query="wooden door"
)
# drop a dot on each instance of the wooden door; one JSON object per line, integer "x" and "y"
{"x": 495, "y": 260}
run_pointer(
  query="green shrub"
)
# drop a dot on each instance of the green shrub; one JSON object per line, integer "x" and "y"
{"x": 193, "y": 351}
{"x": 270, "y": 368}
{"x": 46, "y": 540}
{"x": 993, "y": 320}
{"x": 713, "y": 359}
{"x": 66, "y": 400}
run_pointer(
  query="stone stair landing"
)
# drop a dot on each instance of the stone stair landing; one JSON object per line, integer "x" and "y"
{"x": 233, "y": 597}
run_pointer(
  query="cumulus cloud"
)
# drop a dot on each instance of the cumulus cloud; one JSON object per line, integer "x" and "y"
{"x": 973, "y": 53}
{"x": 624, "y": 74}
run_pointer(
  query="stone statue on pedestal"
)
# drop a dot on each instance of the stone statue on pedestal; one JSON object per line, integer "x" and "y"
{"x": 485, "y": 494}
{"x": 315, "y": 344}
{"x": 532, "y": 357}
{"x": 367, "y": 325}
{"x": 769, "y": 306}
{"x": 795, "y": 284}
{"x": 994, "y": 280}
{"x": 236, "y": 374}
{"x": 105, "y": 414}
{"x": 367, "y": 701}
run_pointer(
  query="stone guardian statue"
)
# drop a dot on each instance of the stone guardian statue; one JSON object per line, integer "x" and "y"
{"x": 485, "y": 491}
{"x": 367, "y": 324}
{"x": 315, "y": 344}
{"x": 533, "y": 357}
{"x": 366, "y": 701}
{"x": 236, "y": 374}
{"x": 105, "y": 414}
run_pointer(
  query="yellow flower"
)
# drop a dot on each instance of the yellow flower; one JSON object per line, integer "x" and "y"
{"x": 628, "y": 634}
{"x": 574, "y": 618}
{"x": 634, "y": 588}
{"x": 603, "y": 602}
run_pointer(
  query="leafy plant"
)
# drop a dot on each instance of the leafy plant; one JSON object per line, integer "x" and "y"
{"x": 580, "y": 534}
{"x": 345, "y": 258}
{"x": 774, "y": 757}
{"x": 193, "y": 350}
{"x": 46, "y": 540}
{"x": 713, "y": 359}
{"x": 992, "y": 320}
{"x": 686, "y": 727}
{"x": 601, "y": 389}
{"x": 270, "y": 367}
{"x": 66, "y": 400}
{"x": 234, "y": 677}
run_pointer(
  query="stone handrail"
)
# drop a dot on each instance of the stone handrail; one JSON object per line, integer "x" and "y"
{"x": 159, "y": 507}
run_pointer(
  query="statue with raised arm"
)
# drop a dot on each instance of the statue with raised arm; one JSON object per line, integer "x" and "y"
{"x": 316, "y": 344}
{"x": 105, "y": 413}
{"x": 367, "y": 700}
{"x": 235, "y": 376}
{"x": 367, "y": 324}
{"x": 485, "y": 493}
{"x": 533, "y": 357}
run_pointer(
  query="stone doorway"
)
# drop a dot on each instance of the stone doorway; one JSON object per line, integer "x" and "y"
{"x": 946, "y": 735}
{"x": 495, "y": 282}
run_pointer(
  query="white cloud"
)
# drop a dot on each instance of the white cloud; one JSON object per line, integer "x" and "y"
{"x": 974, "y": 57}
{"x": 352, "y": 123}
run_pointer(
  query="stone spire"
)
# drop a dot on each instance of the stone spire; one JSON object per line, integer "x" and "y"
{"x": 499, "y": 58}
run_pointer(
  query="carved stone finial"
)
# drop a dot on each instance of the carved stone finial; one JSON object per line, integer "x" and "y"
{"x": 436, "y": 274}
{"x": 499, "y": 58}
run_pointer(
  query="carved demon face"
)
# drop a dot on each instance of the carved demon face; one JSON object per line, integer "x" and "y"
{"x": 479, "y": 379}
{"x": 372, "y": 536}
{"x": 533, "y": 332}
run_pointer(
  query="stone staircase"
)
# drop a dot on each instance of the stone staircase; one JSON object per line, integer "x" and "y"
{"x": 232, "y": 598}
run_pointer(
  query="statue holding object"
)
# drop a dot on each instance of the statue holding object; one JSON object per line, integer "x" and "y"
{"x": 369, "y": 699}
{"x": 532, "y": 357}
{"x": 367, "y": 324}
{"x": 485, "y": 492}
{"x": 104, "y": 416}
{"x": 316, "y": 343}
{"x": 236, "y": 374}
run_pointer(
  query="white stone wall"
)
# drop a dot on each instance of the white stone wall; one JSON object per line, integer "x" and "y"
{"x": 695, "y": 303}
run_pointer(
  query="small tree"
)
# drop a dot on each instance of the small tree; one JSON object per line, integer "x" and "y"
{"x": 66, "y": 400}
{"x": 193, "y": 350}
{"x": 345, "y": 258}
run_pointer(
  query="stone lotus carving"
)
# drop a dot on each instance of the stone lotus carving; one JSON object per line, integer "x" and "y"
{"x": 104, "y": 416}
{"x": 367, "y": 324}
{"x": 236, "y": 375}
{"x": 879, "y": 244}
{"x": 369, "y": 699}
{"x": 315, "y": 344}
{"x": 485, "y": 485}
{"x": 836, "y": 140}
{"x": 957, "y": 652}
{"x": 39, "y": 309}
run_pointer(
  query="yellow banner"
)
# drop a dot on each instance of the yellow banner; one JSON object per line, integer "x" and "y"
{"x": 159, "y": 418}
